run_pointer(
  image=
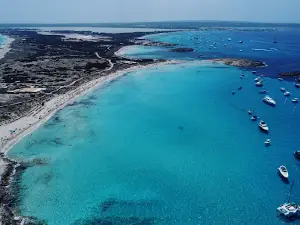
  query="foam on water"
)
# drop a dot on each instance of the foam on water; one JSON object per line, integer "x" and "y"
{"x": 169, "y": 145}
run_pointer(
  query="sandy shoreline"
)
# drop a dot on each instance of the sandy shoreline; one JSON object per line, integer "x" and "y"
{"x": 5, "y": 48}
{"x": 11, "y": 133}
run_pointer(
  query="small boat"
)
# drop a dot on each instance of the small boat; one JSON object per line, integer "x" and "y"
{"x": 240, "y": 88}
{"x": 250, "y": 112}
{"x": 287, "y": 93}
{"x": 289, "y": 210}
{"x": 268, "y": 100}
{"x": 240, "y": 42}
{"x": 295, "y": 100}
{"x": 243, "y": 74}
{"x": 283, "y": 172}
{"x": 254, "y": 72}
{"x": 297, "y": 154}
{"x": 280, "y": 79}
{"x": 259, "y": 83}
{"x": 268, "y": 142}
{"x": 262, "y": 91}
{"x": 282, "y": 89}
{"x": 297, "y": 85}
{"x": 257, "y": 79}
{"x": 241, "y": 77}
{"x": 263, "y": 126}
{"x": 254, "y": 118}
{"x": 229, "y": 39}
{"x": 233, "y": 92}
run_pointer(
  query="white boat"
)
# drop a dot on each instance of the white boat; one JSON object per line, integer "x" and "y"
{"x": 268, "y": 100}
{"x": 282, "y": 89}
{"x": 283, "y": 172}
{"x": 289, "y": 210}
{"x": 287, "y": 93}
{"x": 257, "y": 79}
{"x": 263, "y": 126}
{"x": 297, "y": 85}
{"x": 268, "y": 142}
{"x": 249, "y": 112}
{"x": 280, "y": 79}
{"x": 259, "y": 83}
{"x": 295, "y": 100}
{"x": 229, "y": 39}
{"x": 254, "y": 72}
{"x": 240, "y": 42}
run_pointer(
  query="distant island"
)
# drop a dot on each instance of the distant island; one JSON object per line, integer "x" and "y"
{"x": 246, "y": 63}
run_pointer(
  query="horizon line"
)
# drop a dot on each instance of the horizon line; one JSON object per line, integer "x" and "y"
{"x": 142, "y": 22}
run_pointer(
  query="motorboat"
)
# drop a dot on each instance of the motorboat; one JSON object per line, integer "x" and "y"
{"x": 262, "y": 91}
{"x": 280, "y": 79}
{"x": 297, "y": 154}
{"x": 282, "y": 89}
{"x": 268, "y": 142}
{"x": 287, "y": 93}
{"x": 295, "y": 100}
{"x": 297, "y": 85}
{"x": 254, "y": 72}
{"x": 233, "y": 92}
{"x": 250, "y": 112}
{"x": 259, "y": 83}
{"x": 289, "y": 210}
{"x": 263, "y": 126}
{"x": 283, "y": 172}
{"x": 240, "y": 88}
{"x": 257, "y": 79}
{"x": 240, "y": 42}
{"x": 229, "y": 39}
{"x": 268, "y": 100}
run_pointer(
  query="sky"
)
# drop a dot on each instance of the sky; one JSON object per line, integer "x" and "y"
{"x": 98, "y": 11}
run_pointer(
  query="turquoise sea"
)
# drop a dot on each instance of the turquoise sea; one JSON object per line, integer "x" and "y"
{"x": 166, "y": 145}
{"x": 2, "y": 39}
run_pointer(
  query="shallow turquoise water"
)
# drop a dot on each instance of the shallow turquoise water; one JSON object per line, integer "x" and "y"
{"x": 167, "y": 145}
{"x": 2, "y": 39}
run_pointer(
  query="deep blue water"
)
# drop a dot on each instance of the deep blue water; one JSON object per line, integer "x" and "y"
{"x": 167, "y": 145}
{"x": 282, "y": 56}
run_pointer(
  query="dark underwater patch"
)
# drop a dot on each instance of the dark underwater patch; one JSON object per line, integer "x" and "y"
{"x": 104, "y": 213}
{"x": 45, "y": 178}
{"x": 53, "y": 122}
{"x": 117, "y": 220}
